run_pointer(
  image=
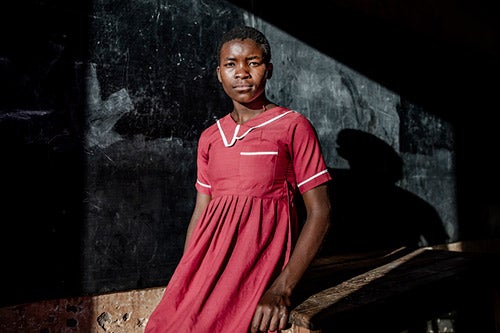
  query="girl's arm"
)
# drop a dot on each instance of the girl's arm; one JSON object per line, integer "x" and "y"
{"x": 272, "y": 311}
{"x": 202, "y": 201}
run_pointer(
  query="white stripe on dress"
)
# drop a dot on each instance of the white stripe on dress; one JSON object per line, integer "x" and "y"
{"x": 204, "y": 185}
{"x": 311, "y": 178}
{"x": 251, "y": 153}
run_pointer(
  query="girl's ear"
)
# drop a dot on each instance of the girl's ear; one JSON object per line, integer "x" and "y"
{"x": 269, "y": 70}
{"x": 218, "y": 74}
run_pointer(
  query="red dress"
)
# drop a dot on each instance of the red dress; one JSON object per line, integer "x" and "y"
{"x": 246, "y": 234}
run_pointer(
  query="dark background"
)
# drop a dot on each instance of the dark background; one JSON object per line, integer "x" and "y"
{"x": 101, "y": 104}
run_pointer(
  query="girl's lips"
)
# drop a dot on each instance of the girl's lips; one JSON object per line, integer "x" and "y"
{"x": 242, "y": 87}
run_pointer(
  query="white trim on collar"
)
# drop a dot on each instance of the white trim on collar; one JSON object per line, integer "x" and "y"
{"x": 235, "y": 135}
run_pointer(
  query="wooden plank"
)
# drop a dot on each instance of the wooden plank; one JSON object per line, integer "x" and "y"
{"x": 326, "y": 272}
{"x": 413, "y": 272}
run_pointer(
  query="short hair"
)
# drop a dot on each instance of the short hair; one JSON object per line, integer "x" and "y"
{"x": 246, "y": 32}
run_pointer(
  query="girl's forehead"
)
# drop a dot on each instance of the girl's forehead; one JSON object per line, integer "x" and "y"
{"x": 241, "y": 46}
{"x": 246, "y": 41}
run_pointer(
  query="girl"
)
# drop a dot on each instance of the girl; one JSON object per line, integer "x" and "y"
{"x": 244, "y": 254}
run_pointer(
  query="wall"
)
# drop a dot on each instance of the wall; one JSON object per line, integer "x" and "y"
{"x": 147, "y": 82}
{"x": 102, "y": 140}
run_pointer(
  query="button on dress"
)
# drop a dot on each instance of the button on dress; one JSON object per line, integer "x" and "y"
{"x": 246, "y": 234}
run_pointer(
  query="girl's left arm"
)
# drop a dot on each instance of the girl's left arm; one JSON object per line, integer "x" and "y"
{"x": 272, "y": 311}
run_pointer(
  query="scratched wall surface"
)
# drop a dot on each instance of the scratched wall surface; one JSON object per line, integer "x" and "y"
{"x": 150, "y": 89}
{"x": 153, "y": 90}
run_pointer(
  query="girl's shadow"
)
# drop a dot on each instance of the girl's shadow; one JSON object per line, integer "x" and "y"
{"x": 369, "y": 211}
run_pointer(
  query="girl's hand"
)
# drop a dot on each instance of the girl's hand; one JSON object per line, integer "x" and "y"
{"x": 271, "y": 313}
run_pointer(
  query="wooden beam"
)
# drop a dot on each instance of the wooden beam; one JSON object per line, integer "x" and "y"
{"x": 421, "y": 277}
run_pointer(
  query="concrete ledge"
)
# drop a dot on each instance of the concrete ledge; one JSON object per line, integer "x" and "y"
{"x": 122, "y": 312}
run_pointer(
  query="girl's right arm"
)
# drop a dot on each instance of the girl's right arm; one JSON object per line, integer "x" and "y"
{"x": 202, "y": 201}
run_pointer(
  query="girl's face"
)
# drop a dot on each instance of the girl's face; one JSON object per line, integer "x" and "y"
{"x": 242, "y": 71}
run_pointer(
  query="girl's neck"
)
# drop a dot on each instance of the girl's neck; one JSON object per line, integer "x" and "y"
{"x": 242, "y": 114}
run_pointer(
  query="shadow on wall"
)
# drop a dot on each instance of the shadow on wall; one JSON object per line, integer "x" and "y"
{"x": 370, "y": 212}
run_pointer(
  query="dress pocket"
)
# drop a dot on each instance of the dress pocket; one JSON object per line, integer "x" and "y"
{"x": 257, "y": 167}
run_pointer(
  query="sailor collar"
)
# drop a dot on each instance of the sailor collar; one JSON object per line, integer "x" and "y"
{"x": 227, "y": 124}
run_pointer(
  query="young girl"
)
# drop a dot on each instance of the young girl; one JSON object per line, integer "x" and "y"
{"x": 244, "y": 253}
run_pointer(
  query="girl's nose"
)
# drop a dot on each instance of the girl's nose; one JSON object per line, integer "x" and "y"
{"x": 242, "y": 71}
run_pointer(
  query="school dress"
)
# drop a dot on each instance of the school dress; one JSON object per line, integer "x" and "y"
{"x": 246, "y": 234}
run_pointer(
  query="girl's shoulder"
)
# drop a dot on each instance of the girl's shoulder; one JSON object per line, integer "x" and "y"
{"x": 298, "y": 118}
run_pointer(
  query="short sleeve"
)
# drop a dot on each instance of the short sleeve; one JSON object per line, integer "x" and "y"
{"x": 203, "y": 184}
{"x": 308, "y": 162}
